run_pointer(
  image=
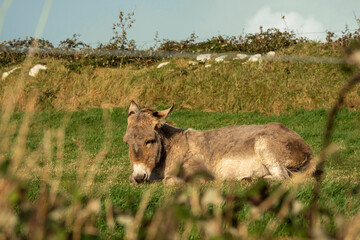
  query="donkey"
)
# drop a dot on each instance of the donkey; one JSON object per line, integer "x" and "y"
{"x": 156, "y": 149}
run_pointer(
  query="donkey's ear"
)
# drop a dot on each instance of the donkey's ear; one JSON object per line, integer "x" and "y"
{"x": 133, "y": 108}
{"x": 162, "y": 115}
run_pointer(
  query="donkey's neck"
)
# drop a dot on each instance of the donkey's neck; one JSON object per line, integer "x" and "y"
{"x": 171, "y": 136}
{"x": 170, "y": 133}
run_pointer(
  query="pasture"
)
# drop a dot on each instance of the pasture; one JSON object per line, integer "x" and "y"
{"x": 65, "y": 170}
{"x": 85, "y": 158}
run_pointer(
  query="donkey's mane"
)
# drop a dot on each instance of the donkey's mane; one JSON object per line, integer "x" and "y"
{"x": 149, "y": 110}
{"x": 169, "y": 131}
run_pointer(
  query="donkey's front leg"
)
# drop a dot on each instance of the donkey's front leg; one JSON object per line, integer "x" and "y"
{"x": 190, "y": 170}
{"x": 172, "y": 180}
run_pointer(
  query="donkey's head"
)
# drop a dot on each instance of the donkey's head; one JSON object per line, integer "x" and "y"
{"x": 144, "y": 141}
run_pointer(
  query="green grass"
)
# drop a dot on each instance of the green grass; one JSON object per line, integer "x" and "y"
{"x": 89, "y": 133}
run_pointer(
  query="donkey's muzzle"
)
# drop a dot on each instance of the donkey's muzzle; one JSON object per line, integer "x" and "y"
{"x": 139, "y": 178}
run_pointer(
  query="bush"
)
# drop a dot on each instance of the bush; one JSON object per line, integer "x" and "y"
{"x": 121, "y": 50}
{"x": 347, "y": 38}
{"x": 262, "y": 42}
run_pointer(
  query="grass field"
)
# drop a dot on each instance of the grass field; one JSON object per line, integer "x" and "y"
{"x": 93, "y": 163}
{"x": 64, "y": 168}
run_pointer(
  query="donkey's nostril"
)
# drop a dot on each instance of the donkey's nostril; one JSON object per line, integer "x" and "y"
{"x": 140, "y": 178}
{"x": 146, "y": 177}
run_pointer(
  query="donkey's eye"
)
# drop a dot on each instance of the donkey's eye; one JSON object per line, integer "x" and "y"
{"x": 149, "y": 142}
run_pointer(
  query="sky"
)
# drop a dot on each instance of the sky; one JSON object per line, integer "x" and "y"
{"x": 174, "y": 20}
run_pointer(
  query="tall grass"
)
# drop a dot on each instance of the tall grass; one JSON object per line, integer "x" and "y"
{"x": 53, "y": 211}
{"x": 270, "y": 87}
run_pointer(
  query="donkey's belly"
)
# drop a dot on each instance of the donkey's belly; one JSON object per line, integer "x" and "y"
{"x": 239, "y": 168}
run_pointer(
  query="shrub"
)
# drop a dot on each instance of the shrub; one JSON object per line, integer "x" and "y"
{"x": 262, "y": 42}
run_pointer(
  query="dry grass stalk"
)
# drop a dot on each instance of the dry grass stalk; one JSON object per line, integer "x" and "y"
{"x": 267, "y": 203}
{"x": 109, "y": 214}
{"x": 314, "y": 213}
{"x": 154, "y": 225}
{"x": 352, "y": 230}
{"x": 58, "y": 165}
{"x": 93, "y": 207}
{"x": 132, "y": 225}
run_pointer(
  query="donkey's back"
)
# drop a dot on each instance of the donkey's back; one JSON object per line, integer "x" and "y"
{"x": 247, "y": 151}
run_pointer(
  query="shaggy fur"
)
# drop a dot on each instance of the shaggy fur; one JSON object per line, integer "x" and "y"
{"x": 157, "y": 150}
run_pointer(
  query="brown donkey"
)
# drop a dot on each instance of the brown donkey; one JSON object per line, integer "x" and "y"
{"x": 236, "y": 152}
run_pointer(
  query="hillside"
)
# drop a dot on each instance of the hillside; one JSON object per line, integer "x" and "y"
{"x": 293, "y": 80}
